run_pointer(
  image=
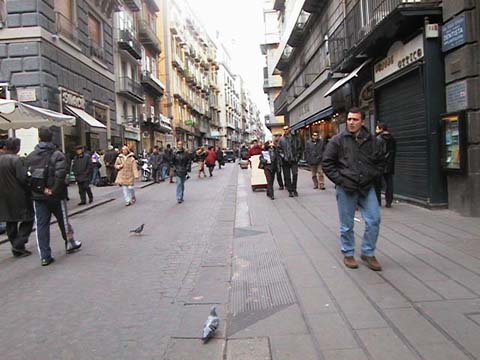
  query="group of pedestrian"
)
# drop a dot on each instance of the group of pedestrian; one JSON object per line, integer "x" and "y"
{"x": 32, "y": 189}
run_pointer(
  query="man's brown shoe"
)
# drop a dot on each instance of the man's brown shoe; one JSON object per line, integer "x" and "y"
{"x": 350, "y": 262}
{"x": 372, "y": 262}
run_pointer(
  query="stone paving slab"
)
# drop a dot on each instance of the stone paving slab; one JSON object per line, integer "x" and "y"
{"x": 188, "y": 349}
{"x": 248, "y": 349}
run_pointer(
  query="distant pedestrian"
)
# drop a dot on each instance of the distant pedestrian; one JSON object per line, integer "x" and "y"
{"x": 210, "y": 160}
{"x": 290, "y": 152}
{"x": 268, "y": 161}
{"x": 82, "y": 169}
{"x": 156, "y": 160}
{"x": 48, "y": 169}
{"x": 255, "y": 149}
{"x": 388, "y": 145}
{"x": 313, "y": 153}
{"x": 16, "y": 207}
{"x": 279, "y": 163}
{"x": 220, "y": 158}
{"x": 95, "y": 157}
{"x": 163, "y": 164}
{"x": 352, "y": 160}
{"x": 169, "y": 161}
{"x": 102, "y": 170}
{"x": 127, "y": 173}
{"x": 200, "y": 156}
{"x": 110, "y": 158}
{"x": 182, "y": 164}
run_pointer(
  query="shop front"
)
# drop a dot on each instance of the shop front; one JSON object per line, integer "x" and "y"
{"x": 131, "y": 136}
{"x": 408, "y": 90}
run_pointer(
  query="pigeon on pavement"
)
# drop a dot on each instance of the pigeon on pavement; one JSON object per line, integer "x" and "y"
{"x": 211, "y": 325}
{"x": 138, "y": 230}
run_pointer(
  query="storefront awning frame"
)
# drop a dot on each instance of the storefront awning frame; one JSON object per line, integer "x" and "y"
{"x": 346, "y": 79}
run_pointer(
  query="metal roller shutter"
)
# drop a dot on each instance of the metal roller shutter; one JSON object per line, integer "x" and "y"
{"x": 401, "y": 106}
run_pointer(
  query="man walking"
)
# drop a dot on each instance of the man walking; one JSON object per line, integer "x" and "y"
{"x": 182, "y": 163}
{"x": 220, "y": 158}
{"x": 110, "y": 158}
{"x": 388, "y": 145}
{"x": 314, "y": 153}
{"x": 352, "y": 160}
{"x": 82, "y": 169}
{"x": 16, "y": 207}
{"x": 156, "y": 160}
{"x": 279, "y": 168}
{"x": 48, "y": 169}
{"x": 169, "y": 162}
{"x": 290, "y": 153}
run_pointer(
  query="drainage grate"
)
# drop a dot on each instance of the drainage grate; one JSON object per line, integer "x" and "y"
{"x": 259, "y": 280}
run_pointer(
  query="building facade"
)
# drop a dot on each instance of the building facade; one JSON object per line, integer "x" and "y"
{"x": 59, "y": 55}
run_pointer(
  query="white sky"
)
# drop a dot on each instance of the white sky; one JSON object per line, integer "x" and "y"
{"x": 240, "y": 22}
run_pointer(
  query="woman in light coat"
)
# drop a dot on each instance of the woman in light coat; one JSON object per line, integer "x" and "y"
{"x": 127, "y": 173}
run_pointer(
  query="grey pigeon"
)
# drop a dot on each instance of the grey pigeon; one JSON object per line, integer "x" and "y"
{"x": 211, "y": 325}
{"x": 138, "y": 230}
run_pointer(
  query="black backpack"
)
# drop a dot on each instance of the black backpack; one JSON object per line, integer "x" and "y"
{"x": 39, "y": 174}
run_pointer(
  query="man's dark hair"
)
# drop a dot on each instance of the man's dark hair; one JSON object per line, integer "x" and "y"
{"x": 156, "y": 147}
{"x": 45, "y": 134}
{"x": 382, "y": 126}
{"x": 357, "y": 110}
{"x": 168, "y": 146}
{"x": 12, "y": 145}
{"x": 79, "y": 147}
{"x": 210, "y": 147}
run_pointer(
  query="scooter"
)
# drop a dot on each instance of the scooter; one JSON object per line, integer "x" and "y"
{"x": 146, "y": 169}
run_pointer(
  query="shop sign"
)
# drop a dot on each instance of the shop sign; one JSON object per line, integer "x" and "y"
{"x": 73, "y": 99}
{"x": 431, "y": 31}
{"x": 399, "y": 56}
{"x": 457, "y": 96}
{"x": 453, "y": 33}
{"x": 189, "y": 122}
{"x": 26, "y": 95}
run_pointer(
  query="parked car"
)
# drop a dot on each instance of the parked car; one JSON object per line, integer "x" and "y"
{"x": 229, "y": 156}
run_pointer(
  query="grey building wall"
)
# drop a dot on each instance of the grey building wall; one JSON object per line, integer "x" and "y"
{"x": 463, "y": 63}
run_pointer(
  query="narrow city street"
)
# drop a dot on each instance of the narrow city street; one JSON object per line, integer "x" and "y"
{"x": 273, "y": 269}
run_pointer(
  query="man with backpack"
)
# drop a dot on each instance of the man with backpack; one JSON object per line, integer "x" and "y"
{"x": 47, "y": 169}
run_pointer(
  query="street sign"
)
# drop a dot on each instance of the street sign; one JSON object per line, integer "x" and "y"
{"x": 453, "y": 33}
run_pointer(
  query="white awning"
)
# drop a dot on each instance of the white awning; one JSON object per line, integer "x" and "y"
{"x": 89, "y": 119}
{"x": 346, "y": 79}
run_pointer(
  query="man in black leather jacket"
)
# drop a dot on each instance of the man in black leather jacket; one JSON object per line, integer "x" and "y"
{"x": 353, "y": 160}
{"x": 52, "y": 199}
{"x": 290, "y": 152}
{"x": 182, "y": 163}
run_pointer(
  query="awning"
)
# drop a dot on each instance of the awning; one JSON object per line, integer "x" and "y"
{"x": 318, "y": 116}
{"x": 89, "y": 119}
{"x": 17, "y": 115}
{"x": 346, "y": 79}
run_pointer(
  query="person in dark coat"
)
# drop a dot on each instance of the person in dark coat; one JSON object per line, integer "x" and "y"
{"x": 16, "y": 207}
{"x": 169, "y": 162}
{"x": 353, "y": 160}
{"x": 220, "y": 158}
{"x": 313, "y": 154}
{"x": 268, "y": 160}
{"x": 110, "y": 158}
{"x": 182, "y": 163}
{"x": 49, "y": 161}
{"x": 156, "y": 160}
{"x": 388, "y": 145}
{"x": 82, "y": 168}
{"x": 290, "y": 152}
{"x": 279, "y": 163}
{"x": 210, "y": 160}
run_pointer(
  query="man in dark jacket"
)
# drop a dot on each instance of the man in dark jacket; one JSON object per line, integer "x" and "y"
{"x": 50, "y": 163}
{"x": 290, "y": 152}
{"x": 16, "y": 207}
{"x": 220, "y": 159}
{"x": 387, "y": 143}
{"x": 82, "y": 168}
{"x": 182, "y": 163}
{"x": 279, "y": 162}
{"x": 314, "y": 153}
{"x": 352, "y": 160}
{"x": 168, "y": 162}
{"x": 110, "y": 158}
{"x": 156, "y": 160}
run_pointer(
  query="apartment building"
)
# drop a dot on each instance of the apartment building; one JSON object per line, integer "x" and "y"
{"x": 59, "y": 55}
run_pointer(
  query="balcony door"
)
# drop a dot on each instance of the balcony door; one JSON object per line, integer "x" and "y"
{"x": 65, "y": 7}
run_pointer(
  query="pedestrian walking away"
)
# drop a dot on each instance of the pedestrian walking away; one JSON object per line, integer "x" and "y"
{"x": 47, "y": 168}
{"x": 82, "y": 169}
{"x": 169, "y": 160}
{"x": 290, "y": 152}
{"x": 279, "y": 163}
{"x": 353, "y": 160}
{"x": 200, "y": 155}
{"x": 110, "y": 158}
{"x": 95, "y": 156}
{"x": 388, "y": 145}
{"x": 16, "y": 208}
{"x": 313, "y": 153}
{"x": 220, "y": 158}
{"x": 156, "y": 160}
{"x": 210, "y": 160}
{"x": 127, "y": 173}
{"x": 182, "y": 163}
{"x": 268, "y": 161}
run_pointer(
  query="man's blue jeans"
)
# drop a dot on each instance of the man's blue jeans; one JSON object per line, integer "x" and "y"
{"x": 163, "y": 171}
{"x": 180, "y": 186}
{"x": 347, "y": 203}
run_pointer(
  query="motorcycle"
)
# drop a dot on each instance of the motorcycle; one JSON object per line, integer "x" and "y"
{"x": 145, "y": 169}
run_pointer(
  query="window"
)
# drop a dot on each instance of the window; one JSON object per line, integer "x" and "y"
{"x": 95, "y": 34}
{"x": 65, "y": 8}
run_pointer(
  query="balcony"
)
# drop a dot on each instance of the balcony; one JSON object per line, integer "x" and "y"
{"x": 361, "y": 32}
{"x": 314, "y": 6}
{"x": 133, "y": 5}
{"x": 128, "y": 42}
{"x": 274, "y": 121}
{"x": 281, "y": 103}
{"x": 152, "y": 84}
{"x": 279, "y": 5}
{"x": 148, "y": 37}
{"x": 130, "y": 89}
{"x": 153, "y": 5}
{"x": 130, "y": 121}
{"x": 97, "y": 50}
{"x": 298, "y": 32}
{"x": 66, "y": 27}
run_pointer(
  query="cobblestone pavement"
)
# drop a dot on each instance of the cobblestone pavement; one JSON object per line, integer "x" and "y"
{"x": 272, "y": 268}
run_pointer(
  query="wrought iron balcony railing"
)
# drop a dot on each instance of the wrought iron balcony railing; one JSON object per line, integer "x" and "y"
{"x": 66, "y": 27}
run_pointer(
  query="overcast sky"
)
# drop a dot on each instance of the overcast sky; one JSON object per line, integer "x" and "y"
{"x": 240, "y": 23}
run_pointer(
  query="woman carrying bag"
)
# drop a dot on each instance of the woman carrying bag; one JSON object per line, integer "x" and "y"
{"x": 127, "y": 173}
{"x": 268, "y": 162}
